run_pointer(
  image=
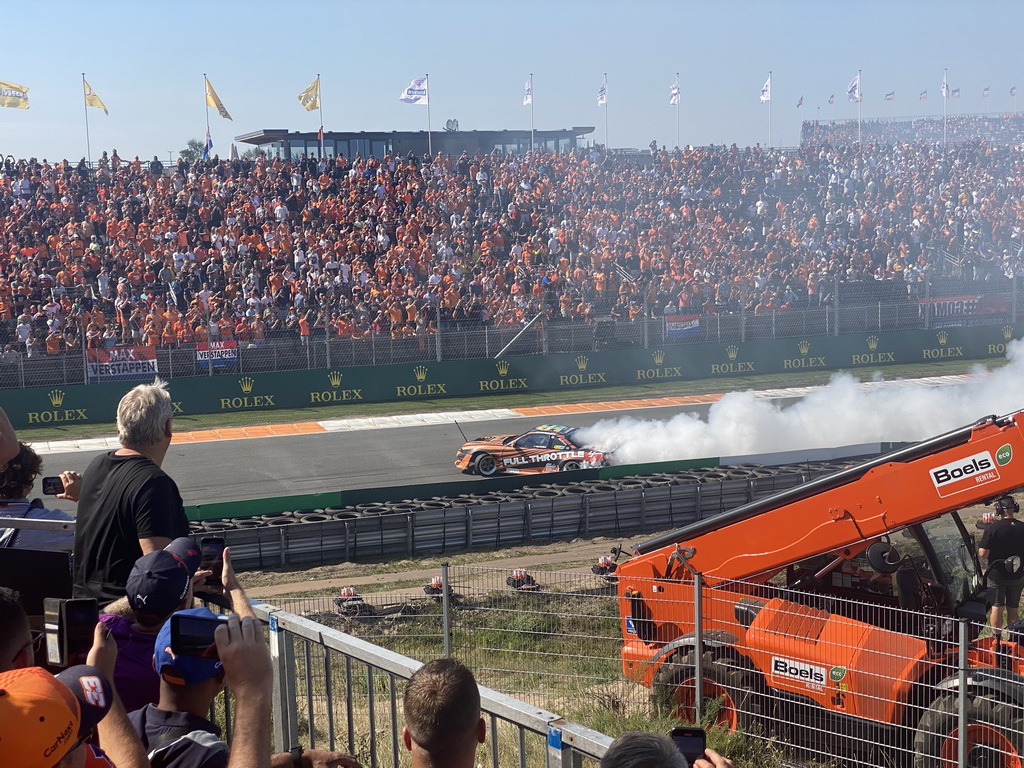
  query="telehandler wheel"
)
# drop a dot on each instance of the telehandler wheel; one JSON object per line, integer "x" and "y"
{"x": 995, "y": 734}
{"x": 730, "y": 691}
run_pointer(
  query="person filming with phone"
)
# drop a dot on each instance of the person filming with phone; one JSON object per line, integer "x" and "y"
{"x": 17, "y": 478}
{"x": 640, "y": 749}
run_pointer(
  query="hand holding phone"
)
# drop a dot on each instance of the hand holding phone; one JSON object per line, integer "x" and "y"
{"x": 193, "y": 635}
{"x": 53, "y": 486}
{"x": 691, "y": 742}
{"x": 212, "y": 559}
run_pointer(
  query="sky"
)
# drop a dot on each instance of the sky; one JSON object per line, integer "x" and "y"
{"x": 146, "y": 61}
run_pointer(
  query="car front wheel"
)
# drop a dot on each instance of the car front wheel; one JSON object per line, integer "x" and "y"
{"x": 485, "y": 465}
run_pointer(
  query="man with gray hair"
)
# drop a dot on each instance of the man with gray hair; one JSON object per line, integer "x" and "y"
{"x": 128, "y": 506}
{"x": 639, "y": 749}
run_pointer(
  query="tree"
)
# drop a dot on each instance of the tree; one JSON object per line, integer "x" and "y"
{"x": 193, "y": 150}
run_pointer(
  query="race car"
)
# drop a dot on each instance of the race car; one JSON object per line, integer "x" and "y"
{"x": 548, "y": 448}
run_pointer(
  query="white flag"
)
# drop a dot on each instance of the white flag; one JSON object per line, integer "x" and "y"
{"x": 766, "y": 91}
{"x": 945, "y": 87}
{"x": 602, "y": 93}
{"x": 673, "y": 94}
{"x": 528, "y": 93}
{"x": 415, "y": 92}
{"x": 853, "y": 90}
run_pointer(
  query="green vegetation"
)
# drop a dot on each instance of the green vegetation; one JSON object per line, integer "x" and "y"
{"x": 74, "y": 431}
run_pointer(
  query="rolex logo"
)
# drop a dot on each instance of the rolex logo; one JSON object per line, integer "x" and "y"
{"x": 804, "y": 347}
{"x": 658, "y": 356}
{"x": 246, "y": 383}
{"x": 732, "y": 350}
{"x": 56, "y": 397}
{"x": 581, "y": 362}
{"x": 943, "y": 337}
{"x": 1007, "y": 332}
{"x": 502, "y": 366}
{"x": 335, "y": 378}
{"x": 872, "y": 342}
{"x": 420, "y": 372}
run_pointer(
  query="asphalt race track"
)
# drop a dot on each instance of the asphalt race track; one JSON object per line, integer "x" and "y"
{"x": 280, "y": 466}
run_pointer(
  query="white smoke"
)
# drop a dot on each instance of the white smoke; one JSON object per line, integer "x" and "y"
{"x": 844, "y": 412}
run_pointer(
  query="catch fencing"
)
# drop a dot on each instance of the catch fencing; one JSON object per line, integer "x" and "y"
{"x": 855, "y": 682}
{"x": 335, "y": 691}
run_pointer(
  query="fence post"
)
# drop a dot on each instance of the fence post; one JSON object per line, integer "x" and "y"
{"x": 743, "y": 323}
{"x": 1013, "y": 298}
{"x": 446, "y": 611}
{"x": 559, "y": 754}
{"x": 285, "y": 713}
{"x": 327, "y": 343}
{"x": 437, "y": 334}
{"x": 961, "y": 706}
{"x": 927, "y": 302}
{"x": 835, "y": 303}
{"x": 698, "y": 646}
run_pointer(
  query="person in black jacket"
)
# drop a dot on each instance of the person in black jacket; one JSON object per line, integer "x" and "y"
{"x": 1002, "y": 539}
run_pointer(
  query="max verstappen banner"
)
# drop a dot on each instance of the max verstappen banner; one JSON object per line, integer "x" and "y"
{"x": 122, "y": 364}
{"x": 219, "y": 354}
{"x": 958, "y": 306}
{"x": 681, "y": 326}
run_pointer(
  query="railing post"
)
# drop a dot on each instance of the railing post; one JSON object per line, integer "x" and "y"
{"x": 835, "y": 303}
{"x": 928, "y": 302}
{"x": 437, "y": 334}
{"x": 961, "y": 707}
{"x": 285, "y": 713}
{"x": 1013, "y": 298}
{"x": 446, "y": 611}
{"x": 698, "y": 646}
{"x": 560, "y": 754}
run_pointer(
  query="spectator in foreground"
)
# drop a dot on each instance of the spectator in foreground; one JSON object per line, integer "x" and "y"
{"x": 8, "y": 439}
{"x": 1002, "y": 539}
{"x": 177, "y": 733}
{"x": 18, "y": 642}
{"x": 443, "y": 723}
{"x": 128, "y": 506}
{"x": 639, "y": 749}
{"x": 17, "y": 477}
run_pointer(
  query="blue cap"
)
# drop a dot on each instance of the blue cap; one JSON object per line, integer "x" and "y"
{"x": 183, "y": 670}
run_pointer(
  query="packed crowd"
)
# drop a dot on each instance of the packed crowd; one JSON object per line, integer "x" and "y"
{"x": 139, "y": 692}
{"x": 956, "y": 129}
{"x": 133, "y": 253}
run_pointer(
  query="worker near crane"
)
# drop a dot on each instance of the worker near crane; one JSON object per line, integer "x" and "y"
{"x": 1001, "y": 539}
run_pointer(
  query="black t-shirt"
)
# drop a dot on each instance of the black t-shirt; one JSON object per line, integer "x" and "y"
{"x": 1003, "y": 538}
{"x": 123, "y": 499}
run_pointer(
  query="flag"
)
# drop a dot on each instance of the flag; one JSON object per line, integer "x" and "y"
{"x": 945, "y": 88}
{"x": 208, "y": 146}
{"x": 92, "y": 99}
{"x": 984, "y": 94}
{"x": 213, "y": 100}
{"x": 528, "y": 93}
{"x": 13, "y": 96}
{"x": 955, "y": 93}
{"x": 800, "y": 103}
{"x": 415, "y": 92}
{"x": 1013, "y": 91}
{"x": 602, "y": 93}
{"x": 310, "y": 98}
{"x": 853, "y": 89}
{"x": 320, "y": 135}
{"x": 890, "y": 96}
{"x": 766, "y": 90}
{"x": 673, "y": 94}
{"x": 923, "y": 96}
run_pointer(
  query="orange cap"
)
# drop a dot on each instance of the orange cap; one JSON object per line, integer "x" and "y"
{"x": 38, "y": 718}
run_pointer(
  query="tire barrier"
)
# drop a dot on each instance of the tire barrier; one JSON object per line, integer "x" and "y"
{"x": 543, "y": 513}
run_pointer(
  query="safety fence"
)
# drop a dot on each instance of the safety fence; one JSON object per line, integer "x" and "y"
{"x": 848, "y": 309}
{"x": 335, "y": 691}
{"x": 806, "y": 674}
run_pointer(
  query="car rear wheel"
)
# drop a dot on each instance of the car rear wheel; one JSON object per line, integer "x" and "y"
{"x": 571, "y": 466}
{"x": 485, "y": 465}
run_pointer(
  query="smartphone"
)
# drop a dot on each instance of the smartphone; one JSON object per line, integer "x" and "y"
{"x": 211, "y": 558}
{"x": 69, "y": 626}
{"x": 691, "y": 742}
{"x": 193, "y": 635}
{"x": 52, "y": 486}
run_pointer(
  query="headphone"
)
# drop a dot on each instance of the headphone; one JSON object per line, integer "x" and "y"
{"x": 1007, "y": 505}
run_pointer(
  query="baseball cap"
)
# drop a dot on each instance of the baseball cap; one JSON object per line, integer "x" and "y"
{"x": 39, "y": 720}
{"x": 93, "y": 691}
{"x": 160, "y": 580}
{"x": 183, "y": 670}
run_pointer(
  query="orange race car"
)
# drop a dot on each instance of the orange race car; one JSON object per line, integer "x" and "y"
{"x": 547, "y": 448}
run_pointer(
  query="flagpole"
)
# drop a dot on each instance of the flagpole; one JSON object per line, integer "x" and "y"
{"x": 945, "y": 98}
{"x": 769, "y": 109}
{"x": 607, "y": 146}
{"x": 860, "y": 102}
{"x": 320, "y": 103}
{"x": 430, "y": 143}
{"x": 678, "y": 103}
{"x": 531, "y": 113}
{"x": 85, "y": 106}
{"x": 206, "y": 101}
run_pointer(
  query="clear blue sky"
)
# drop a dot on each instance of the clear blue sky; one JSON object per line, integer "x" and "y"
{"x": 146, "y": 61}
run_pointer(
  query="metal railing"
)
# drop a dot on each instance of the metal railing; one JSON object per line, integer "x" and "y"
{"x": 335, "y": 691}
